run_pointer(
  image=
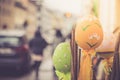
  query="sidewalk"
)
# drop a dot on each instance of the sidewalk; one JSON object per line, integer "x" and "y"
{"x": 46, "y": 69}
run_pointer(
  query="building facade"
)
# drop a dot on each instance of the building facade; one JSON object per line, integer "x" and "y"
{"x": 17, "y": 13}
{"x": 6, "y": 13}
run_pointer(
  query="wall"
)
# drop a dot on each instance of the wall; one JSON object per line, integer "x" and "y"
{"x": 109, "y": 14}
{"x": 7, "y": 13}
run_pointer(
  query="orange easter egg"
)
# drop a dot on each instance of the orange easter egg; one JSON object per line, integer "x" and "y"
{"x": 88, "y": 33}
{"x": 108, "y": 43}
{"x": 107, "y": 47}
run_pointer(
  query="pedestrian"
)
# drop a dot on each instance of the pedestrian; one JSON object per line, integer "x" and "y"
{"x": 37, "y": 45}
{"x": 58, "y": 37}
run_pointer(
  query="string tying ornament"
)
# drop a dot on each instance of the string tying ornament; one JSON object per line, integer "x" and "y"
{"x": 88, "y": 36}
{"x": 86, "y": 65}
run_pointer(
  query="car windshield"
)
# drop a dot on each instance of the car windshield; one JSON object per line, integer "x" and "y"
{"x": 9, "y": 41}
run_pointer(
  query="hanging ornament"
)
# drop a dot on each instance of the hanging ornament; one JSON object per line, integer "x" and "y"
{"x": 88, "y": 36}
{"x": 107, "y": 47}
{"x": 62, "y": 61}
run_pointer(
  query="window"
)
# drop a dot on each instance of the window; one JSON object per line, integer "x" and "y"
{"x": 1, "y": 10}
{"x": 5, "y": 1}
{"x": 4, "y": 11}
{"x": 19, "y": 5}
{"x": 9, "y": 40}
{"x": 2, "y": 1}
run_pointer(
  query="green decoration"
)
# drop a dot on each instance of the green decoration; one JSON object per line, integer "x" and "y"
{"x": 63, "y": 76}
{"x": 62, "y": 57}
{"x": 84, "y": 28}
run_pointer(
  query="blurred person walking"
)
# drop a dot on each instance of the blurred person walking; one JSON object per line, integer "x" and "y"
{"x": 37, "y": 45}
{"x": 58, "y": 38}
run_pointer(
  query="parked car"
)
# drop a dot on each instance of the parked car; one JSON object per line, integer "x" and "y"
{"x": 14, "y": 50}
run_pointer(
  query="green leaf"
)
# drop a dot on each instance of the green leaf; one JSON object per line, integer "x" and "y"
{"x": 63, "y": 76}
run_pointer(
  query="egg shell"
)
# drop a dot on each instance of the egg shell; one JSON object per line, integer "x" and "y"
{"x": 88, "y": 33}
{"x": 62, "y": 57}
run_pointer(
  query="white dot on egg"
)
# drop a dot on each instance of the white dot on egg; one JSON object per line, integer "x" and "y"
{"x": 68, "y": 47}
{"x": 60, "y": 48}
{"x": 59, "y": 60}
{"x": 65, "y": 66}
{"x": 65, "y": 55}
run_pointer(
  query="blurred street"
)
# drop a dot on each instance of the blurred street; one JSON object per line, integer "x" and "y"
{"x": 45, "y": 72}
{"x": 30, "y": 76}
{"x": 30, "y": 31}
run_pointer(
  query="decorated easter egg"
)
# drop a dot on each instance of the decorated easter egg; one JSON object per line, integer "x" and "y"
{"x": 107, "y": 47}
{"x": 62, "y": 57}
{"x": 88, "y": 32}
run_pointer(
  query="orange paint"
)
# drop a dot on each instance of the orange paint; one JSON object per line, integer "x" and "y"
{"x": 88, "y": 33}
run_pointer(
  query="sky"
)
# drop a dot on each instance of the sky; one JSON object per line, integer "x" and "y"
{"x": 72, "y": 6}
